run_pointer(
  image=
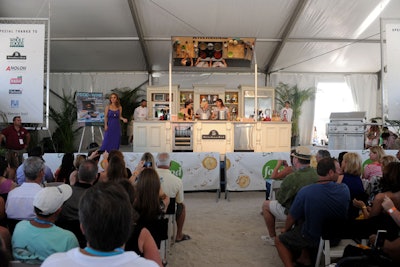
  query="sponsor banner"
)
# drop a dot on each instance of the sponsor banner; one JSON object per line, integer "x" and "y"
{"x": 198, "y": 171}
{"x": 22, "y": 71}
{"x": 250, "y": 171}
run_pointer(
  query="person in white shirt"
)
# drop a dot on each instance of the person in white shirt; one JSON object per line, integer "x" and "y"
{"x": 105, "y": 214}
{"x": 19, "y": 205}
{"x": 287, "y": 112}
{"x": 140, "y": 112}
{"x": 172, "y": 186}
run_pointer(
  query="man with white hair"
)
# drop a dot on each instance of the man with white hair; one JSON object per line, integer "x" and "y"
{"x": 173, "y": 188}
{"x": 19, "y": 201}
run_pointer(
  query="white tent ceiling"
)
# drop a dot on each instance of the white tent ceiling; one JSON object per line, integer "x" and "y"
{"x": 135, "y": 35}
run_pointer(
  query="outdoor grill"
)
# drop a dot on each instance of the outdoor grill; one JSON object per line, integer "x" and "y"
{"x": 346, "y": 130}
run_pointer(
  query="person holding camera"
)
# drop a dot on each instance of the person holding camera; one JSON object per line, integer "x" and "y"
{"x": 146, "y": 161}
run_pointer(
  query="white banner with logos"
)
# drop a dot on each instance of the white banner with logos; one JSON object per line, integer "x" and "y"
{"x": 249, "y": 171}
{"x": 22, "y": 71}
{"x": 198, "y": 171}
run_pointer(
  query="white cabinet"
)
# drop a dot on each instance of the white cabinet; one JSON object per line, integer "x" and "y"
{"x": 265, "y": 101}
{"x": 152, "y": 136}
{"x": 158, "y": 101}
{"x": 273, "y": 136}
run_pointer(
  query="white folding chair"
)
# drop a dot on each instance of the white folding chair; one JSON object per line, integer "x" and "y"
{"x": 331, "y": 252}
{"x": 275, "y": 185}
{"x": 170, "y": 214}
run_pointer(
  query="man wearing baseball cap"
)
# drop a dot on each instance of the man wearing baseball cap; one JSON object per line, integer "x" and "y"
{"x": 303, "y": 175}
{"x": 33, "y": 241}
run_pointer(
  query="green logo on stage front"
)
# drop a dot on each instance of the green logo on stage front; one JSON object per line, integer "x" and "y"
{"x": 176, "y": 169}
{"x": 268, "y": 168}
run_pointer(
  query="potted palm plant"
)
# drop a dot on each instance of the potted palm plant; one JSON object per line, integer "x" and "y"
{"x": 284, "y": 92}
{"x": 65, "y": 117}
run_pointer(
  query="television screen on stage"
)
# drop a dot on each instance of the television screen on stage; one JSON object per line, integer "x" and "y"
{"x": 211, "y": 53}
{"x": 90, "y": 107}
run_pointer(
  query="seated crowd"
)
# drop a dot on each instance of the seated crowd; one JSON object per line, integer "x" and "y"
{"x": 83, "y": 215}
{"x": 364, "y": 198}
{"x": 80, "y": 215}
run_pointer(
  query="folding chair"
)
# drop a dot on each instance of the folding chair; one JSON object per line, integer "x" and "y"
{"x": 160, "y": 235}
{"x": 334, "y": 229}
{"x": 275, "y": 185}
{"x": 171, "y": 213}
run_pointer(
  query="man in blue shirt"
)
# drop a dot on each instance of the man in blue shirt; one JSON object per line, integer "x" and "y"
{"x": 313, "y": 205}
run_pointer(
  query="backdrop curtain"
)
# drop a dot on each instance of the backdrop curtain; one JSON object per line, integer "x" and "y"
{"x": 306, "y": 119}
{"x": 364, "y": 88}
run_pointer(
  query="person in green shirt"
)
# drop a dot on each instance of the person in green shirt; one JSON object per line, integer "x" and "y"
{"x": 302, "y": 176}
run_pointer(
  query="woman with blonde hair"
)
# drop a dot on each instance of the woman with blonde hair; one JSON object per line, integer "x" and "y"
{"x": 352, "y": 167}
{"x": 374, "y": 168}
{"x": 112, "y": 127}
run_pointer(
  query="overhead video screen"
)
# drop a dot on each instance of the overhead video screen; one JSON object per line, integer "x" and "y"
{"x": 212, "y": 52}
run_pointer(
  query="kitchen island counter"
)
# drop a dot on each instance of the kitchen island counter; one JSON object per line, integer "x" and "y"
{"x": 212, "y": 135}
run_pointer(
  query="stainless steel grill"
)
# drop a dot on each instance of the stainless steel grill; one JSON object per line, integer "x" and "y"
{"x": 346, "y": 130}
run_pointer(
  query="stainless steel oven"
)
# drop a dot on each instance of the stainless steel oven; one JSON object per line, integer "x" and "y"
{"x": 182, "y": 137}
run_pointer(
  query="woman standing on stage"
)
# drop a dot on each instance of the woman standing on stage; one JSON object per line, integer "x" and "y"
{"x": 112, "y": 127}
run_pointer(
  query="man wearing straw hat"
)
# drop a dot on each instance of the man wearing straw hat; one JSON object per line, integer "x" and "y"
{"x": 302, "y": 176}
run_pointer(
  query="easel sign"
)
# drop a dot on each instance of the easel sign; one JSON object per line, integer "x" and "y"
{"x": 90, "y": 108}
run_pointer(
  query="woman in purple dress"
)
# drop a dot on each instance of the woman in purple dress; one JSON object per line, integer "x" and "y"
{"x": 112, "y": 127}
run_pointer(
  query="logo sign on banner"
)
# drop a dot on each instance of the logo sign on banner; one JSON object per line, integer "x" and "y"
{"x": 22, "y": 71}
{"x": 269, "y": 167}
{"x": 90, "y": 109}
{"x": 213, "y": 135}
{"x": 176, "y": 169}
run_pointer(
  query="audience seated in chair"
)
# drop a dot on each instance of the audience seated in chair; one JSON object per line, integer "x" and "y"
{"x": 280, "y": 171}
{"x": 48, "y": 174}
{"x": 105, "y": 214}
{"x": 34, "y": 240}
{"x": 141, "y": 241}
{"x": 151, "y": 203}
{"x": 173, "y": 188}
{"x": 374, "y": 217}
{"x": 69, "y": 216}
{"x": 277, "y": 209}
{"x": 313, "y": 205}
{"x": 19, "y": 201}
{"x": 352, "y": 168}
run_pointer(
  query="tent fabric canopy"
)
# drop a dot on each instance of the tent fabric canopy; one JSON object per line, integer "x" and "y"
{"x": 135, "y": 35}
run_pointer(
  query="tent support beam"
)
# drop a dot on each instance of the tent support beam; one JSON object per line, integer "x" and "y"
{"x": 288, "y": 29}
{"x": 139, "y": 30}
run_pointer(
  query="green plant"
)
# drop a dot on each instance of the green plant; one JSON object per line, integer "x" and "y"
{"x": 296, "y": 97}
{"x": 64, "y": 117}
{"x": 129, "y": 100}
